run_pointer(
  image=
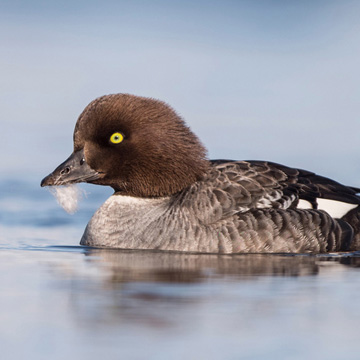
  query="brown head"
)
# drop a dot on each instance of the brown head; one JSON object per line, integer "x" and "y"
{"x": 137, "y": 145}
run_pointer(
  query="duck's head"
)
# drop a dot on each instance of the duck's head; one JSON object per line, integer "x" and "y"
{"x": 139, "y": 146}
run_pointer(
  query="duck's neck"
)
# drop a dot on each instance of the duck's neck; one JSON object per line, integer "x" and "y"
{"x": 123, "y": 221}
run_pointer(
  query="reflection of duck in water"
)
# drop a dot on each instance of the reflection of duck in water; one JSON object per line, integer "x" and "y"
{"x": 168, "y": 196}
{"x": 149, "y": 266}
{"x": 123, "y": 266}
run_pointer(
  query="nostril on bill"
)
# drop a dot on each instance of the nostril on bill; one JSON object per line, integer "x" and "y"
{"x": 65, "y": 171}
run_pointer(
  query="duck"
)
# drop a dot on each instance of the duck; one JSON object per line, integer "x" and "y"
{"x": 169, "y": 196}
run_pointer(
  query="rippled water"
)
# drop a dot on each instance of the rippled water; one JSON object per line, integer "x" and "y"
{"x": 59, "y": 300}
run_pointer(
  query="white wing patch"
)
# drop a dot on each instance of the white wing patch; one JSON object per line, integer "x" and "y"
{"x": 336, "y": 209}
{"x": 304, "y": 204}
{"x": 268, "y": 201}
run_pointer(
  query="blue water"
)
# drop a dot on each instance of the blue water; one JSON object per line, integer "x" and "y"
{"x": 60, "y": 300}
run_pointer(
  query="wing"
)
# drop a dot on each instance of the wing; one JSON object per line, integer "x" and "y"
{"x": 232, "y": 187}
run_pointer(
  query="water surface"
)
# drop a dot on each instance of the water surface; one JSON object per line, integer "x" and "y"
{"x": 60, "y": 300}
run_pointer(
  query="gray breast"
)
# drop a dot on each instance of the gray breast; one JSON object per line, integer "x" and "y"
{"x": 136, "y": 223}
{"x": 171, "y": 224}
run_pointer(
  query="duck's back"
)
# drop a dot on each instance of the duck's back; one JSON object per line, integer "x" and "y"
{"x": 260, "y": 206}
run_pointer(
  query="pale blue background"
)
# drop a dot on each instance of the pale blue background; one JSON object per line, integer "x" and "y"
{"x": 273, "y": 80}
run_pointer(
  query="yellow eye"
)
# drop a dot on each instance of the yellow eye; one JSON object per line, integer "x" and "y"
{"x": 116, "y": 138}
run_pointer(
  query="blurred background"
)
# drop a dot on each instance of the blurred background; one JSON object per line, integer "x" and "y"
{"x": 274, "y": 80}
{"x": 267, "y": 79}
